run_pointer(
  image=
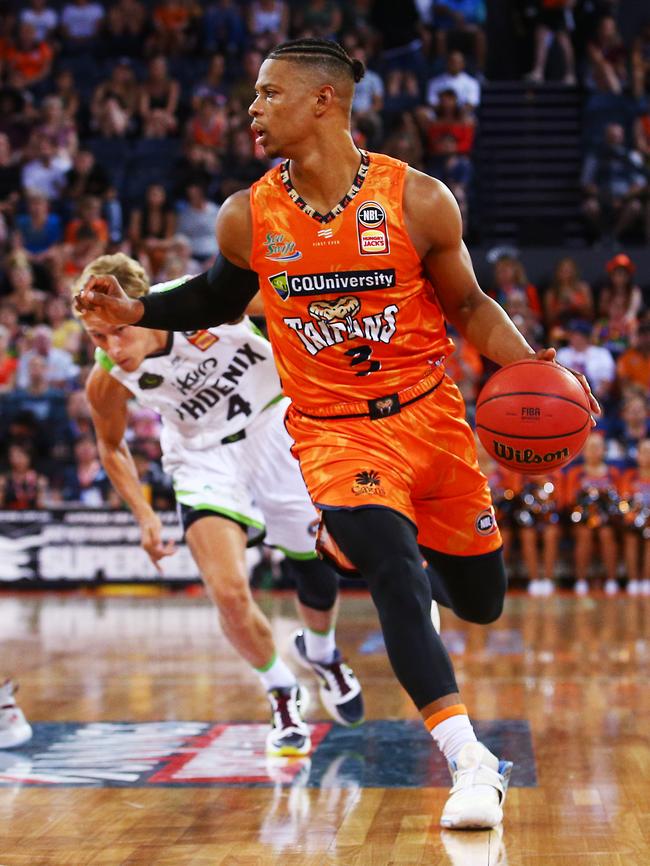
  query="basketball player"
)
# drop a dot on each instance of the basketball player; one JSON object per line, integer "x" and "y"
{"x": 360, "y": 260}
{"x": 224, "y": 444}
{"x": 15, "y": 730}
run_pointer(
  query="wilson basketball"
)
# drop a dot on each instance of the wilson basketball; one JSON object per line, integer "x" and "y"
{"x": 533, "y": 416}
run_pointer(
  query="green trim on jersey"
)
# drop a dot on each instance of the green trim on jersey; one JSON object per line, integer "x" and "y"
{"x": 256, "y": 330}
{"x": 206, "y": 506}
{"x": 273, "y": 402}
{"x": 103, "y": 360}
{"x": 291, "y": 554}
{"x": 170, "y": 284}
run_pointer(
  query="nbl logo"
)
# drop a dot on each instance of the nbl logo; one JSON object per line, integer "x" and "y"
{"x": 372, "y": 229}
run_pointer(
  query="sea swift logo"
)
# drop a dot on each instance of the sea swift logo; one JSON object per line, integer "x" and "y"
{"x": 368, "y": 483}
{"x": 281, "y": 248}
{"x": 331, "y": 282}
{"x": 372, "y": 229}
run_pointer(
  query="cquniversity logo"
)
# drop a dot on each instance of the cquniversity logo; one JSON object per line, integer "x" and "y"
{"x": 280, "y": 283}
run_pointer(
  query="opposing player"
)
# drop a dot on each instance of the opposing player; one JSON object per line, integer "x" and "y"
{"x": 224, "y": 444}
{"x": 360, "y": 259}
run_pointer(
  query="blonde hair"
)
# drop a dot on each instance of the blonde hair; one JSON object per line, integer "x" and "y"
{"x": 127, "y": 271}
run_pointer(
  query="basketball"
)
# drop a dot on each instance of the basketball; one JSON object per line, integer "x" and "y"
{"x": 533, "y": 416}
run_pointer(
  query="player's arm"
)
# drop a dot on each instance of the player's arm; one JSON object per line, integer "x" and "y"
{"x": 220, "y": 294}
{"x": 104, "y": 391}
{"x": 435, "y": 226}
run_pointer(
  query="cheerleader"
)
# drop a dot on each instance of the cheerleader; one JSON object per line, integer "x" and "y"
{"x": 635, "y": 511}
{"x": 536, "y": 514}
{"x": 592, "y": 500}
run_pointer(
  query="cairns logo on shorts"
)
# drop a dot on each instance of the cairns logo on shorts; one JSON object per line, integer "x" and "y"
{"x": 368, "y": 482}
{"x": 485, "y": 523}
{"x": 372, "y": 229}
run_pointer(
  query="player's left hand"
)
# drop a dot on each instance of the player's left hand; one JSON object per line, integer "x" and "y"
{"x": 594, "y": 405}
{"x": 151, "y": 541}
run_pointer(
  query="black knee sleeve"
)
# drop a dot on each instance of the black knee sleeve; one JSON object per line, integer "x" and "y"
{"x": 316, "y": 582}
{"x": 475, "y": 585}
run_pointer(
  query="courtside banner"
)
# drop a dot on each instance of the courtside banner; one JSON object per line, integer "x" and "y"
{"x": 85, "y": 545}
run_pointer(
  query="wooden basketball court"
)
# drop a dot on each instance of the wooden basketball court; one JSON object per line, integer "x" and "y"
{"x": 148, "y": 740}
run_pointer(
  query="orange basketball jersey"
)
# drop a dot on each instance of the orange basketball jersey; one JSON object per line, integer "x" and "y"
{"x": 350, "y": 313}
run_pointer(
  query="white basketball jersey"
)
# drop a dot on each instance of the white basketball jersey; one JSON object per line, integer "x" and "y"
{"x": 206, "y": 385}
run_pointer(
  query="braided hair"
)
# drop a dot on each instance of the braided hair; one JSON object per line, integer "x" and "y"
{"x": 319, "y": 51}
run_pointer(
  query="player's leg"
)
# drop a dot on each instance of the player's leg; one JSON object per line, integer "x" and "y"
{"x": 631, "y": 545}
{"x": 582, "y": 553}
{"x": 382, "y": 544}
{"x": 218, "y": 546}
{"x": 528, "y": 540}
{"x": 15, "y": 730}
{"x": 609, "y": 556}
{"x": 291, "y": 521}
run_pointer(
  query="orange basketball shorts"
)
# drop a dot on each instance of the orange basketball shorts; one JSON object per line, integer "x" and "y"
{"x": 420, "y": 462}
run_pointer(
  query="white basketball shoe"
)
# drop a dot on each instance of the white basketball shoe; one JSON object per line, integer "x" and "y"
{"x": 14, "y": 728}
{"x": 480, "y": 783}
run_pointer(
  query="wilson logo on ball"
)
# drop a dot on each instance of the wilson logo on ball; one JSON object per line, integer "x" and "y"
{"x": 526, "y": 456}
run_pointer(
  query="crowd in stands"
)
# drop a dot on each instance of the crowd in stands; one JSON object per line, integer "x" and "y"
{"x": 123, "y": 126}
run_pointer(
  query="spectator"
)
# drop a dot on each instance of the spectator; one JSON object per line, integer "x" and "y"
{"x": 38, "y": 401}
{"x": 567, "y": 297}
{"x": 114, "y": 104}
{"x": 613, "y": 183}
{"x": 268, "y": 21}
{"x": 464, "y": 19}
{"x": 89, "y": 220}
{"x": 46, "y": 173}
{"x": 608, "y": 58}
{"x": 9, "y": 319}
{"x": 401, "y": 94}
{"x": 66, "y": 89}
{"x": 368, "y": 100}
{"x": 242, "y": 91}
{"x": 629, "y": 428}
{"x": 320, "y": 19}
{"x": 517, "y": 306}
{"x": 635, "y": 491}
{"x": 151, "y": 227}
{"x": 159, "y": 100}
{"x": 40, "y": 231}
{"x": 633, "y": 367}
{"x": 200, "y": 165}
{"x": 241, "y": 166}
{"x": 81, "y": 21}
{"x": 79, "y": 417}
{"x": 595, "y": 362}
{"x": 213, "y": 83}
{"x": 509, "y": 277}
{"x": 448, "y": 119}
{"x": 178, "y": 260}
{"x": 591, "y": 499}
{"x": 615, "y": 330}
{"x": 465, "y": 86}
{"x": 85, "y": 482}
{"x": 124, "y": 29}
{"x": 10, "y": 177}
{"x": 25, "y": 298}
{"x": 620, "y": 285}
{"x": 641, "y": 61}
{"x": 66, "y": 330}
{"x": 22, "y": 487}
{"x": 223, "y": 28}
{"x": 8, "y": 362}
{"x": 554, "y": 22}
{"x": 42, "y": 18}
{"x": 175, "y": 23}
{"x": 86, "y": 178}
{"x": 28, "y": 60}
{"x": 196, "y": 221}
{"x": 58, "y": 127}
{"x": 208, "y": 126}
{"x": 59, "y": 372}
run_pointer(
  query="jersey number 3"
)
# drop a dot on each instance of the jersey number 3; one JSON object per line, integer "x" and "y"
{"x": 361, "y": 355}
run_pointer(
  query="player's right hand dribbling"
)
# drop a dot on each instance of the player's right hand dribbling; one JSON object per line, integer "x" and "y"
{"x": 151, "y": 541}
{"x": 105, "y": 298}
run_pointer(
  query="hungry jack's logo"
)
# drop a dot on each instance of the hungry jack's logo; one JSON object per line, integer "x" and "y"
{"x": 372, "y": 229}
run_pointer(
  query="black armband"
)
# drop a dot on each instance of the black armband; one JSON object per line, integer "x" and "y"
{"x": 218, "y": 295}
